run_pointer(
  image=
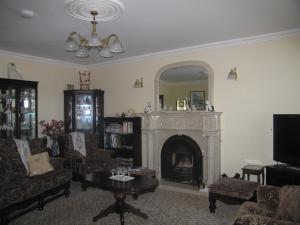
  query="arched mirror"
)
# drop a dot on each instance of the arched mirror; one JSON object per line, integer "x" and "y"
{"x": 184, "y": 86}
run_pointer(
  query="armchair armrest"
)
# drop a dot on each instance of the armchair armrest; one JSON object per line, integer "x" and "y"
{"x": 262, "y": 220}
{"x": 58, "y": 162}
{"x": 268, "y": 197}
{"x": 100, "y": 155}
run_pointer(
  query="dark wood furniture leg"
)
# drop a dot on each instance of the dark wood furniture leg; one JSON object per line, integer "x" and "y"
{"x": 212, "y": 202}
{"x": 213, "y": 197}
{"x": 120, "y": 207}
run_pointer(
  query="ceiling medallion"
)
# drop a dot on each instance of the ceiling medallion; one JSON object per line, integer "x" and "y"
{"x": 107, "y": 9}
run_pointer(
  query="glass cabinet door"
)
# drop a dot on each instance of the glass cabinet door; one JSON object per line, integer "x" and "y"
{"x": 84, "y": 112}
{"x": 27, "y": 113}
{"x": 7, "y": 112}
{"x": 68, "y": 113}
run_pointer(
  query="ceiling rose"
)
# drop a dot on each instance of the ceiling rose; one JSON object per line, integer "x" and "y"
{"x": 107, "y": 9}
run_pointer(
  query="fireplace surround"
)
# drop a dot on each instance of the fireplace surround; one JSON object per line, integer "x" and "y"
{"x": 202, "y": 127}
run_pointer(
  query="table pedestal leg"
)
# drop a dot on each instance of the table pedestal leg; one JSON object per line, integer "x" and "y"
{"x": 120, "y": 207}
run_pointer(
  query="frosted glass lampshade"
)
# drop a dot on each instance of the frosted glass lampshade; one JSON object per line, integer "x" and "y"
{"x": 82, "y": 52}
{"x": 71, "y": 45}
{"x": 106, "y": 53}
{"x": 116, "y": 46}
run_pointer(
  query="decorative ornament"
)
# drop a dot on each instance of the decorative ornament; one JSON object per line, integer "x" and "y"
{"x": 84, "y": 78}
{"x": 12, "y": 72}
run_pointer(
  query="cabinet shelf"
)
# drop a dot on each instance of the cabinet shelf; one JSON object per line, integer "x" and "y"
{"x": 123, "y": 136}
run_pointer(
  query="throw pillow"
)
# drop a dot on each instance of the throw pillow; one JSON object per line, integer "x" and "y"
{"x": 39, "y": 164}
{"x": 289, "y": 204}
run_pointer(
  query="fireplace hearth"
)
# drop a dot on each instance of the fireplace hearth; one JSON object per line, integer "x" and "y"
{"x": 181, "y": 160}
{"x": 197, "y": 160}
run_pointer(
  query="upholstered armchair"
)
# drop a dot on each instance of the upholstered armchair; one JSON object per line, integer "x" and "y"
{"x": 96, "y": 159}
{"x": 275, "y": 206}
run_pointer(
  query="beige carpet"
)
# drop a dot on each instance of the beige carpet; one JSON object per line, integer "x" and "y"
{"x": 163, "y": 207}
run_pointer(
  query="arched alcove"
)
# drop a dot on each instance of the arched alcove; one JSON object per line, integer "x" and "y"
{"x": 203, "y": 66}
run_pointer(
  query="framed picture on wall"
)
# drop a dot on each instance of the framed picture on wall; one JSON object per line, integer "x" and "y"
{"x": 198, "y": 99}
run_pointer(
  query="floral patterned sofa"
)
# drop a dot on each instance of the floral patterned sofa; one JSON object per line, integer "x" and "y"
{"x": 275, "y": 206}
{"x": 19, "y": 192}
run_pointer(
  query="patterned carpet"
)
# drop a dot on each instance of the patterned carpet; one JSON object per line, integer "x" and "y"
{"x": 163, "y": 207}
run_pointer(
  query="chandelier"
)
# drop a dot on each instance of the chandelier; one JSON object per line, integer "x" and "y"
{"x": 82, "y": 46}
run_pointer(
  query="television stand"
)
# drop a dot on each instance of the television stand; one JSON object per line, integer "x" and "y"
{"x": 281, "y": 174}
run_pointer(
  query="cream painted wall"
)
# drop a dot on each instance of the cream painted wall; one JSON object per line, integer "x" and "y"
{"x": 52, "y": 80}
{"x": 173, "y": 91}
{"x": 268, "y": 82}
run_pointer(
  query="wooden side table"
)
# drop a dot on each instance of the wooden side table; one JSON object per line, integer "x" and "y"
{"x": 254, "y": 170}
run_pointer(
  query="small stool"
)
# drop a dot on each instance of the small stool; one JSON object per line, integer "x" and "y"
{"x": 231, "y": 191}
{"x": 254, "y": 170}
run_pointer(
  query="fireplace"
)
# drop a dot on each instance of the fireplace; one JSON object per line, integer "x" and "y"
{"x": 198, "y": 160}
{"x": 181, "y": 160}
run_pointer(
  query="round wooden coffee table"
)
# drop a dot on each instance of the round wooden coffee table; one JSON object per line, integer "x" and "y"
{"x": 120, "y": 189}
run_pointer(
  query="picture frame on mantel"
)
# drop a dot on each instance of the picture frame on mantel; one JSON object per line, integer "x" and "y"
{"x": 198, "y": 99}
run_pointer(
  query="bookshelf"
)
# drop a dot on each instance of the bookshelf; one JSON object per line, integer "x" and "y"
{"x": 123, "y": 136}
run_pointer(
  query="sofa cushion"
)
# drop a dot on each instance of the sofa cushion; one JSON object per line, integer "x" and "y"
{"x": 39, "y": 164}
{"x": 254, "y": 209}
{"x": 13, "y": 191}
{"x": 289, "y": 204}
{"x": 10, "y": 154}
{"x": 5, "y": 171}
{"x": 268, "y": 197}
{"x": 38, "y": 145}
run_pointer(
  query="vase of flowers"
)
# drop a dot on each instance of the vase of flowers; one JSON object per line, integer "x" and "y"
{"x": 53, "y": 130}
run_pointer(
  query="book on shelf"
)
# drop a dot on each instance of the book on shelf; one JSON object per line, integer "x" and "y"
{"x": 114, "y": 128}
{"x": 125, "y": 161}
{"x": 127, "y": 127}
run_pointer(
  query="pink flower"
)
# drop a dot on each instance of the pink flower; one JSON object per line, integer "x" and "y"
{"x": 52, "y": 129}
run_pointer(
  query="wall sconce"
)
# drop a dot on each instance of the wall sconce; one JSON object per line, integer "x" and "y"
{"x": 138, "y": 83}
{"x": 232, "y": 75}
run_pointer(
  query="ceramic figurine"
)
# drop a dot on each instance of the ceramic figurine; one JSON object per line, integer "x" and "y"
{"x": 84, "y": 78}
{"x": 148, "y": 108}
{"x": 208, "y": 106}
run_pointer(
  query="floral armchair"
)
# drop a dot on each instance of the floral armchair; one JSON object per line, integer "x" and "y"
{"x": 275, "y": 206}
{"x": 96, "y": 159}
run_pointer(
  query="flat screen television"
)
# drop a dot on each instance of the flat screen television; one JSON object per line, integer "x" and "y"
{"x": 286, "y": 138}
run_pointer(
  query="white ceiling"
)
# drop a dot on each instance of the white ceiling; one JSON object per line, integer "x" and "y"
{"x": 145, "y": 27}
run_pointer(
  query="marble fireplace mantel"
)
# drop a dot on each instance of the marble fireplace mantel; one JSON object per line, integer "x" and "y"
{"x": 201, "y": 126}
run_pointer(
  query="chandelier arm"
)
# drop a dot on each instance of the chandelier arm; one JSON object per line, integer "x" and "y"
{"x": 78, "y": 38}
{"x": 106, "y": 40}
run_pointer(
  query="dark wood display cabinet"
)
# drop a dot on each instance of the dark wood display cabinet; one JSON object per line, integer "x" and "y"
{"x": 83, "y": 111}
{"x": 281, "y": 174}
{"x": 18, "y": 108}
{"x": 123, "y": 136}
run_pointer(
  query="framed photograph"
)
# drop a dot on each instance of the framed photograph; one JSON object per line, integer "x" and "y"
{"x": 181, "y": 105}
{"x": 198, "y": 99}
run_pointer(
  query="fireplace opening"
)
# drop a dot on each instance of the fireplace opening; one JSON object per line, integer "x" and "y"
{"x": 181, "y": 161}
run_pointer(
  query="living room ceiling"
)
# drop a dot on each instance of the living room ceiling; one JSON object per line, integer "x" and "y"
{"x": 144, "y": 27}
